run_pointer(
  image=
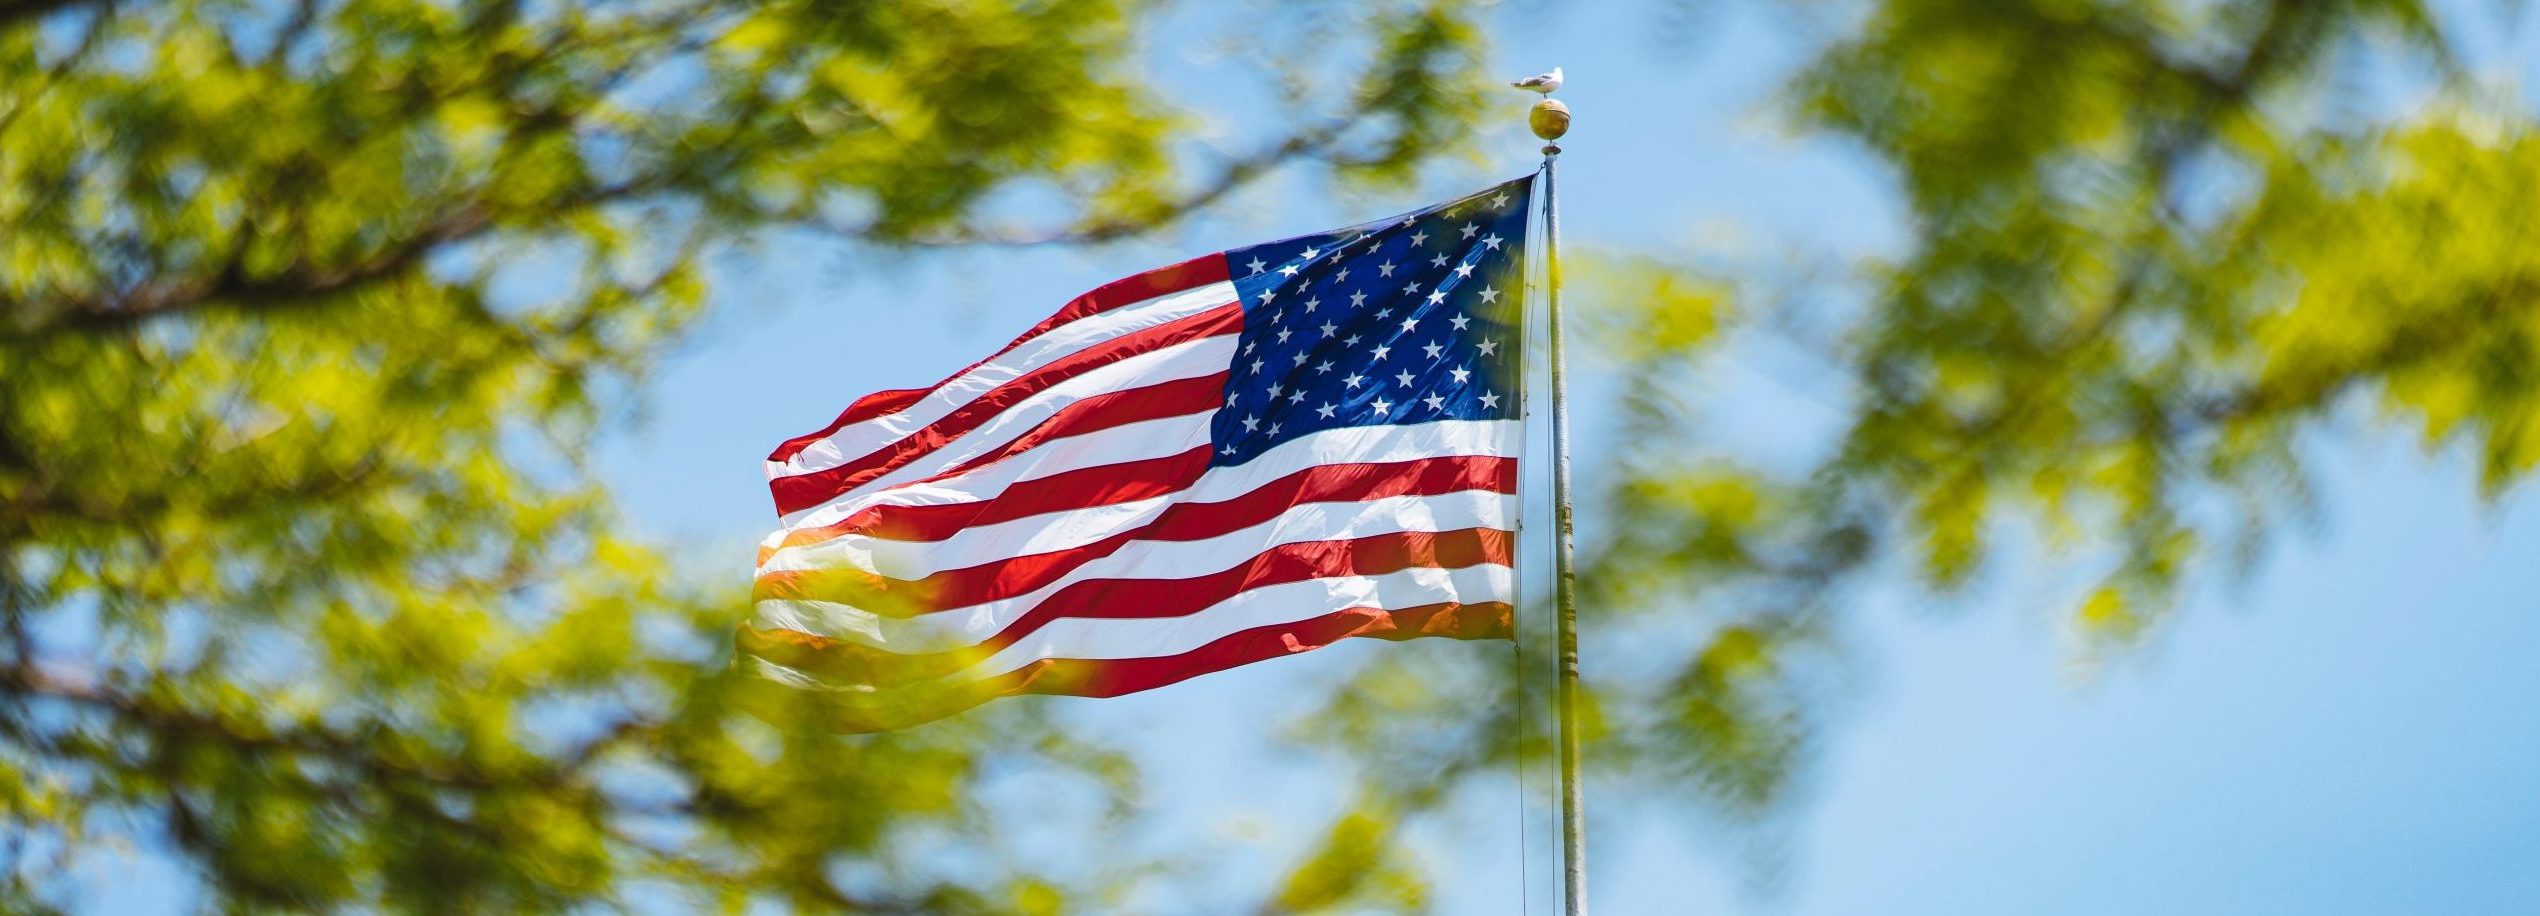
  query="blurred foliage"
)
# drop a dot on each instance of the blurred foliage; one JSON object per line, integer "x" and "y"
{"x": 309, "y": 310}
{"x": 2155, "y": 251}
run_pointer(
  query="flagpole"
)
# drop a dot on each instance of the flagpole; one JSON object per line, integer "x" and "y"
{"x": 1550, "y": 120}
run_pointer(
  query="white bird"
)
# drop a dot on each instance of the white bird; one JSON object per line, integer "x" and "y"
{"x": 1546, "y": 83}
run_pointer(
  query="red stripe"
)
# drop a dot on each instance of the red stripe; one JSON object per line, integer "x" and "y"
{"x": 1373, "y": 555}
{"x": 1083, "y": 488}
{"x": 1114, "y": 677}
{"x": 1012, "y": 576}
{"x": 1191, "y": 274}
{"x": 1177, "y": 398}
{"x": 802, "y": 491}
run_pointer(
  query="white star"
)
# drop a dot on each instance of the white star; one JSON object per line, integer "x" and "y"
{"x": 1251, "y": 423}
{"x": 1256, "y": 265}
{"x": 1310, "y": 304}
{"x": 1278, "y": 316}
{"x": 1310, "y": 253}
{"x": 1342, "y": 277}
{"x": 1404, "y": 378}
{"x": 1274, "y": 429}
{"x": 1382, "y": 314}
{"x": 1277, "y": 389}
{"x": 1499, "y": 200}
{"x": 1433, "y": 350}
{"x": 1383, "y": 406}
{"x": 1380, "y": 353}
{"x": 1490, "y": 401}
{"x": 1248, "y": 347}
{"x": 1469, "y": 229}
{"x": 1300, "y": 358}
{"x": 1490, "y": 294}
{"x": 1357, "y": 299}
{"x": 1459, "y": 321}
{"x": 1297, "y": 396}
{"x": 1228, "y": 450}
{"x": 1230, "y": 400}
{"x": 1256, "y": 367}
{"x": 1267, "y": 295}
{"x": 1411, "y": 324}
{"x": 1283, "y": 335}
{"x": 1411, "y": 289}
{"x": 1287, "y": 270}
{"x": 1437, "y": 296}
{"x": 1419, "y": 238}
{"x": 1464, "y": 270}
{"x": 1489, "y": 346}
{"x": 1329, "y": 327}
{"x": 1385, "y": 269}
{"x": 1323, "y": 367}
{"x": 1460, "y": 374}
{"x": 1492, "y": 241}
{"x": 1324, "y": 411}
{"x": 1350, "y": 341}
{"x": 1435, "y": 402}
{"x": 1439, "y": 261}
{"x": 1353, "y": 380}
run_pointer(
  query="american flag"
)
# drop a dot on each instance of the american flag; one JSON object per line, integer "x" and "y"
{"x": 1249, "y": 454}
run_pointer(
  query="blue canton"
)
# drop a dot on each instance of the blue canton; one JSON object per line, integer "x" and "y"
{"x": 1412, "y": 319}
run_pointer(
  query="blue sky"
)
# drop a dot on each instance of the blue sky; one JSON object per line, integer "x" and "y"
{"x": 2350, "y": 730}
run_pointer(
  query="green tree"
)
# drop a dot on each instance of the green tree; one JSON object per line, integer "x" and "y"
{"x": 308, "y": 311}
{"x": 2154, "y": 246}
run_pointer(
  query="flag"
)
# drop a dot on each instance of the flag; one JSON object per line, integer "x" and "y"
{"x": 1246, "y": 455}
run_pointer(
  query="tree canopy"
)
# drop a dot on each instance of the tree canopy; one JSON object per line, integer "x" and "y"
{"x": 2155, "y": 248}
{"x": 307, "y": 313}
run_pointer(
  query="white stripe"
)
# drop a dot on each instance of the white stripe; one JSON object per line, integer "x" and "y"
{"x": 973, "y": 546}
{"x": 1189, "y": 359}
{"x": 902, "y": 559}
{"x": 800, "y": 681}
{"x": 1288, "y": 602}
{"x": 952, "y": 629}
{"x": 1103, "y": 639}
{"x": 861, "y": 438}
{"x": 1140, "y": 441}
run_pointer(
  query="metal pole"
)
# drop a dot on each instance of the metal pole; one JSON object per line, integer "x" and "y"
{"x": 1564, "y": 575}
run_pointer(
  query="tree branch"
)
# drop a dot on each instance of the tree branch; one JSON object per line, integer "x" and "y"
{"x": 13, "y": 12}
{"x": 1230, "y": 177}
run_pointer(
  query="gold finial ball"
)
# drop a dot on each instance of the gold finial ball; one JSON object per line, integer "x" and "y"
{"x": 1550, "y": 119}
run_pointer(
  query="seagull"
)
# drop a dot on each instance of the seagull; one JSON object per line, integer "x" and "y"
{"x": 1547, "y": 83}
